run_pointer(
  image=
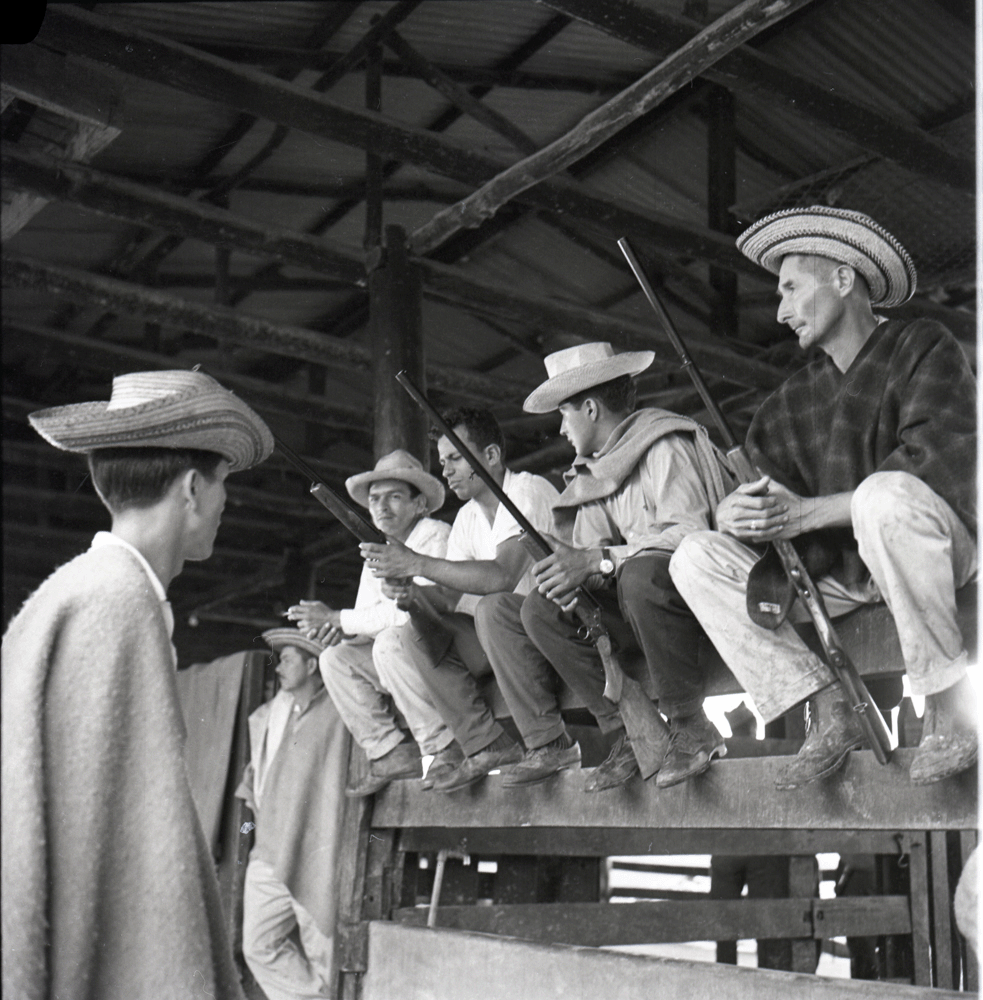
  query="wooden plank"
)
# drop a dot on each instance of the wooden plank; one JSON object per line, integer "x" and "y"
{"x": 754, "y": 74}
{"x": 738, "y": 794}
{"x": 599, "y": 925}
{"x": 418, "y": 964}
{"x": 729, "y": 31}
{"x": 152, "y": 57}
{"x": 916, "y": 846}
{"x": 802, "y": 872}
{"x": 943, "y": 917}
{"x": 971, "y": 968}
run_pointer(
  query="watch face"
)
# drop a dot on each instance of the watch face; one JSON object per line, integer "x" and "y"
{"x": 607, "y": 567}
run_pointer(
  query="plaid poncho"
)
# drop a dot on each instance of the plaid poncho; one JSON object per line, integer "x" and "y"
{"x": 907, "y": 403}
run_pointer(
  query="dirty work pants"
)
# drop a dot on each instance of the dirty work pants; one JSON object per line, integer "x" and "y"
{"x": 360, "y": 676}
{"x": 918, "y": 554}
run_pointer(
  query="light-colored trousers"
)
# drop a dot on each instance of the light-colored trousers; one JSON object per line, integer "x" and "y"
{"x": 359, "y": 676}
{"x": 285, "y": 970}
{"x": 918, "y": 554}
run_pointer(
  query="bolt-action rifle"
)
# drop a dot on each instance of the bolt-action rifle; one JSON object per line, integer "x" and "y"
{"x": 428, "y": 622}
{"x": 843, "y": 668}
{"x": 646, "y": 729}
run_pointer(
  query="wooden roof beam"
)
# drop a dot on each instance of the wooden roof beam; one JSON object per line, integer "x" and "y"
{"x": 754, "y": 74}
{"x": 726, "y": 33}
{"x": 151, "y": 57}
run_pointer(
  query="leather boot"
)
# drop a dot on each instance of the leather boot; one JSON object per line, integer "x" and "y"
{"x": 834, "y": 730}
{"x": 403, "y": 761}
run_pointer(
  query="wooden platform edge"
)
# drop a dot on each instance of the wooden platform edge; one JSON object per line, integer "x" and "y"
{"x": 422, "y": 964}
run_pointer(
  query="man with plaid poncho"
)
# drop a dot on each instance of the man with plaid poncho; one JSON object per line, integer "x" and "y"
{"x": 868, "y": 458}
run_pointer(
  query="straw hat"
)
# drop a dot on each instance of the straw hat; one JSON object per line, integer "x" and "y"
{"x": 277, "y": 638}
{"x": 170, "y": 409}
{"x": 582, "y": 367}
{"x": 398, "y": 464}
{"x": 841, "y": 235}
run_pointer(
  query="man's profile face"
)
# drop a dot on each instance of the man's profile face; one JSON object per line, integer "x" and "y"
{"x": 208, "y": 513}
{"x": 294, "y": 668}
{"x": 810, "y": 304}
{"x": 392, "y": 507}
{"x": 577, "y": 427}
{"x": 456, "y": 469}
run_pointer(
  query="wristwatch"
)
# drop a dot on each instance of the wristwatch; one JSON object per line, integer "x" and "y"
{"x": 607, "y": 565}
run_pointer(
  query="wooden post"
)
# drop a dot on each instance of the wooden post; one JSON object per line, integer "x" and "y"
{"x": 721, "y": 194}
{"x": 917, "y": 844}
{"x": 802, "y": 885}
{"x": 373, "y": 161}
{"x": 396, "y": 323}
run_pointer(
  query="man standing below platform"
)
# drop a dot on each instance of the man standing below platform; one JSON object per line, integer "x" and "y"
{"x": 292, "y": 784}
{"x": 366, "y": 662}
{"x": 868, "y": 460}
{"x": 640, "y": 482}
{"x": 109, "y": 889}
{"x": 484, "y": 556}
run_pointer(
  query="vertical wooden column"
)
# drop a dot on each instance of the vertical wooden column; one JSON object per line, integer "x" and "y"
{"x": 396, "y": 322}
{"x": 802, "y": 885}
{"x": 721, "y": 194}
{"x": 373, "y": 162}
{"x": 921, "y": 921}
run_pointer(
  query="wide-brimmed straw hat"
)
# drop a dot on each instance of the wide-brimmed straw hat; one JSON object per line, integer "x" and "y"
{"x": 398, "y": 464}
{"x": 169, "y": 409}
{"x": 841, "y": 235}
{"x": 277, "y": 638}
{"x": 582, "y": 367}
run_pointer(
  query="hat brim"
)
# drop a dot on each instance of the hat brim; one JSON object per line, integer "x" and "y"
{"x": 431, "y": 487}
{"x": 548, "y": 396}
{"x": 217, "y": 421}
{"x": 837, "y": 234}
{"x": 277, "y": 638}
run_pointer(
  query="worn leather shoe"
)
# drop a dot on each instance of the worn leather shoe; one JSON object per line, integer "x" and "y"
{"x": 403, "y": 761}
{"x": 475, "y": 767}
{"x": 693, "y": 743}
{"x": 833, "y": 732}
{"x": 618, "y": 767}
{"x": 542, "y": 763}
{"x": 943, "y": 755}
{"x": 444, "y": 761}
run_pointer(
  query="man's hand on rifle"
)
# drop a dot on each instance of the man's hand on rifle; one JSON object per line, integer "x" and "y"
{"x": 755, "y": 512}
{"x": 563, "y": 570}
{"x": 317, "y": 621}
{"x": 398, "y": 589}
{"x": 392, "y": 560}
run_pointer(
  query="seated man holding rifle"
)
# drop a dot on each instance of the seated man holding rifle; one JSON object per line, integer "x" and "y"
{"x": 366, "y": 658}
{"x": 640, "y": 482}
{"x": 484, "y": 556}
{"x": 868, "y": 460}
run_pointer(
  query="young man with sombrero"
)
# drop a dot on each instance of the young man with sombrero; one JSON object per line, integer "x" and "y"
{"x": 108, "y": 883}
{"x": 367, "y": 662}
{"x": 641, "y": 480}
{"x": 869, "y": 462}
{"x": 293, "y": 784}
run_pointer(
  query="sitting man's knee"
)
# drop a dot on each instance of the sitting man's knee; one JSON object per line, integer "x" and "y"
{"x": 538, "y": 611}
{"x": 690, "y": 555}
{"x": 885, "y": 495}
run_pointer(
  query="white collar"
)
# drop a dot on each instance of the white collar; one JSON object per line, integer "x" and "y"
{"x": 104, "y": 538}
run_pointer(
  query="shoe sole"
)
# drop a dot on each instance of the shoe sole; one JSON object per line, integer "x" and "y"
{"x": 590, "y": 787}
{"x": 951, "y": 772}
{"x": 509, "y": 758}
{"x": 785, "y": 786}
{"x": 719, "y": 751}
{"x": 539, "y": 779}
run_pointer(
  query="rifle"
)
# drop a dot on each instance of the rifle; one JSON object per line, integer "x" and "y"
{"x": 427, "y": 621}
{"x": 843, "y": 668}
{"x": 646, "y": 729}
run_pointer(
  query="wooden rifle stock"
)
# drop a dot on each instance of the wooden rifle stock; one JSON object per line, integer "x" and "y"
{"x": 843, "y": 668}
{"x": 643, "y": 724}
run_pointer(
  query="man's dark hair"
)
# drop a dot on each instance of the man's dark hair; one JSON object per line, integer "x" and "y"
{"x": 618, "y": 395}
{"x": 481, "y": 425}
{"x": 139, "y": 477}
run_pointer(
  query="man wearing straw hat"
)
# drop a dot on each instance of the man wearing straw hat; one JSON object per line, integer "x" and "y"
{"x": 868, "y": 457}
{"x": 367, "y": 664}
{"x": 299, "y": 752}
{"x": 109, "y": 888}
{"x": 641, "y": 480}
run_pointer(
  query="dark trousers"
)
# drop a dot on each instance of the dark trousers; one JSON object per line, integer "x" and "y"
{"x": 452, "y": 684}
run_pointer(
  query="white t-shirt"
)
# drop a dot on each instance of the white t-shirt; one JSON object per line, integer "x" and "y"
{"x": 473, "y": 538}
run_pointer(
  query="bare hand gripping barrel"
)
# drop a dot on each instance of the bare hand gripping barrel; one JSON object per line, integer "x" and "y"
{"x": 841, "y": 665}
{"x": 646, "y": 729}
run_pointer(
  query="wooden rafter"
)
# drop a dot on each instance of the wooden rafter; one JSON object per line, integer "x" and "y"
{"x": 726, "y": 33}
{"x": 752, "y": 73}
{"x": 151, "y": 57}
